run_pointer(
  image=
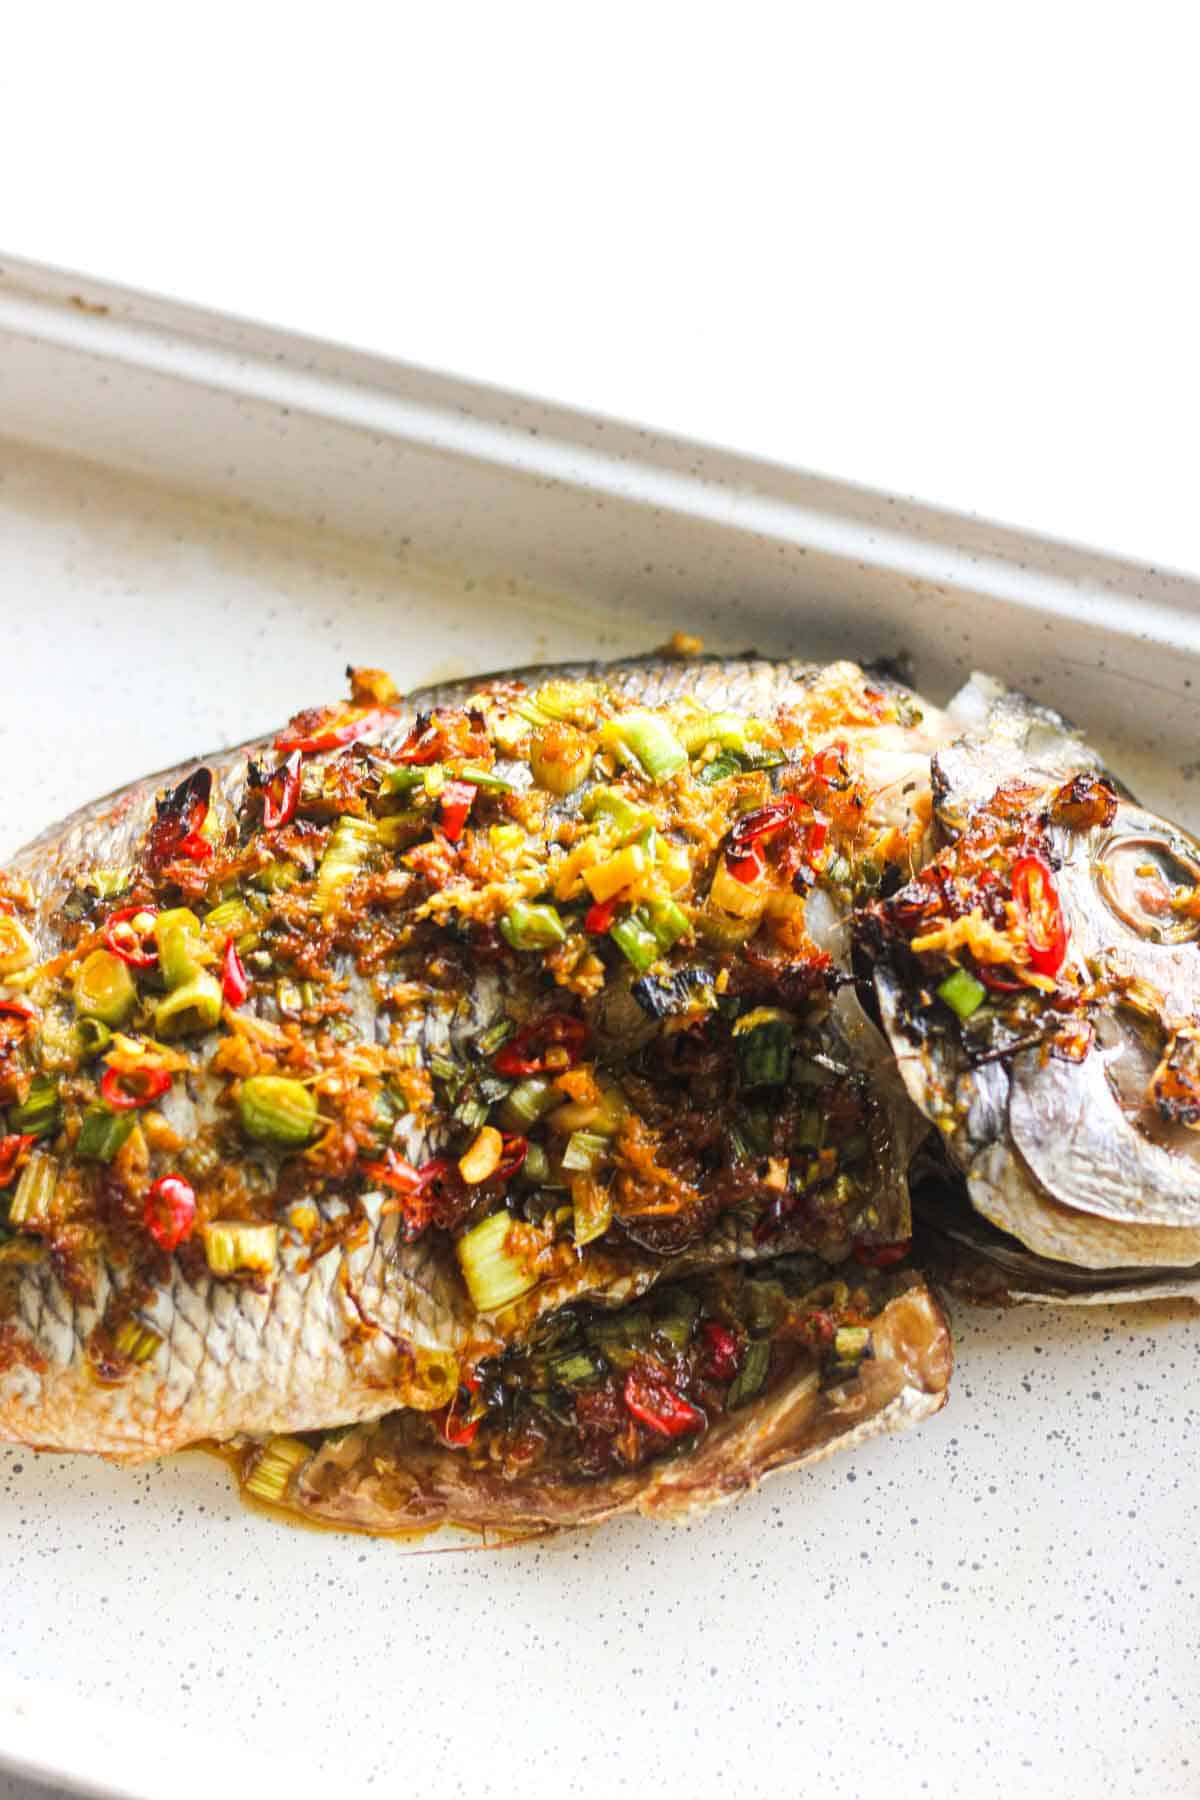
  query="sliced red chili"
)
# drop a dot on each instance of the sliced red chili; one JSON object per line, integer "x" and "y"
{"x": 170, "y": 1211}
{"x": 125, "y": 1089}
{"x": 881, "y": 1256}
{"x": 456, "y": 800}
{"x": 234, "y": 984}
{"x": 11, "y": 1150}
{"x": 1040, "y": 913}
{"x": 746, "y": 868}
{"x": 133, "y": 946}
{"x": 828, "y": 766}
{"x": 456, "y": 1430}
{"x": 416, "y": 1188}
{"x": 176, "y": 830}
{"x": 555, "y": 1042}
{"x": 756, "y": 825}
{"x": 655, "y": 1403}
{"x": 328, "y": 727}
{"x": 512, "y": 1156}
{"x": 997, "y": 983}
{"x": 600, "y": 915}
{"x": 18, "y": 1008}
{"x": 281, "y": 792}
{"x": 722, "y": 1350}
{"x": 422, "y": 745}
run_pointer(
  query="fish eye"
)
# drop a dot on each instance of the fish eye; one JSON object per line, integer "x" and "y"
{"x": 1152, "y": 885}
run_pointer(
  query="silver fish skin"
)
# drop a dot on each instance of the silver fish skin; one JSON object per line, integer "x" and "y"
{"x": 1070, "y": 1158}
{"x": 357, "y": 1332}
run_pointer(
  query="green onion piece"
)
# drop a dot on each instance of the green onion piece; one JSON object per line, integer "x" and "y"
{"x": 484, "y": 778}
{"x": 837, "y": 871}
{"x": 528, "y": 1102}
{"x": 962, "y": 993}
{"x": 532, "y": 927}
{"x": 850, "y": 1342}
{"x": 33, "y": 1202}
{"x": 349, "y": 845}
{"x": 471, "y": 1112}
{"x": 489, "y": 1041}
{"x": 726, "y": 729}
{"x": 634, "y": 938}
{"x": 39, "y": 1114}
{"x": 647, "y": 743}
{"x": 277, "y": 1110}
{"x": 536, "y": 1167}
{"x": 275, "y": 876}
{"x": 92, "y": 1036}
{"x": 106, "y": 884}
{"x": 560, "y": 760}
{"x": 494, "y": 1275}
{"x": 195, "y": 1006}
{"x": 104, "y": 988}
{"x": 232, "y": 918}
{"x": 404, "y": 780}
{"x": 273, "y": 1468}
{"x": 810, "y": 1127}
{"x": 722, "y": 931}
{"x": 573, "y": 1368}
{"x": 719, "y": 769}
{"x": 677, "y": 1320}
{"x": 574, "y": 701}
{"x": 231, "y": 1248}
{"x": 103, "y": 1132}
{"x": 752, "y": 1375}
{"x": 667, "y": 921}
{"x": 177, "y": 934}
{"x": 136, "y": 1342}
{"x": 763, "y": 1040}
{"x": 585, "y": 1151}
{"x": 608, "y": 808}
{"x": 757, "y": 756}
{"x": 446, "y": 1068}
{"x": 591, "y": 1208}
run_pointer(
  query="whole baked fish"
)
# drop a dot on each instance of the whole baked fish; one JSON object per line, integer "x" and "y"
{"x": 1040, "y": 983}
{"x": 334, "y": 1064}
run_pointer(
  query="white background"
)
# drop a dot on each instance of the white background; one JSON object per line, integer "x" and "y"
{"x": 944, "y": 249}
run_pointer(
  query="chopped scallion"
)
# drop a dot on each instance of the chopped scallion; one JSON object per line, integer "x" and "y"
{"x": 647, "y": 742}
{"x": 273, "y": 1468}
{"x": 962, "y": 993}
{"x": 231, "y": 1248}
{"x": 350, "y": 843}
{"x": 275, "y": 1109}
{"x": 637, "y": 943}
{"x": 751, "y": 1377}
{"x": 104, "y": 988}
{"x": 33, "y": 1201}
{"x": 528, "y": 927}
{"x": 585, "y": 1151}
{"x": 195, "y": 1006}
{"x": 528, "y": 1102}
{"x": 103, "y": 1132}
{"x": 494, "y": 1273}
{"x": 40, "y": 1113}
{"x": 763, "y": 1039}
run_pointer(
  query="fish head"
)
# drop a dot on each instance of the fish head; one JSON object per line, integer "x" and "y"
{"x": 1064, "y": 1072}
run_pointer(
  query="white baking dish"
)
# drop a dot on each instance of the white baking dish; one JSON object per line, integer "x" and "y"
{"x": 1002, "y": 1602}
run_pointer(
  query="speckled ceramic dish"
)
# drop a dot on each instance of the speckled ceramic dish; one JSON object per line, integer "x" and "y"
{"x": 200, "y": 523}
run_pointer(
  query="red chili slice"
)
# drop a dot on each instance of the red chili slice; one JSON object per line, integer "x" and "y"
{"x": 881, "y": 1256}
{"x": 600, "y": 915}
{"x": 722, "y": 1350}
{"x": 530, "y": 1052}
{"x": 170, "y": 1211}
{"x": 414, "y": 1186}
{"x": 125, "y": 1089}
{"x": 234, "y": 985}
{"x": 760, "y": 823}
{"x": 512, "y": 1157}
{"x": 746, "y": 868}
{"x": 18, "y": 1008}
{"x": 1040, "y": 912}
{"x": 996, "y": 983}
{"x": 11, "y": 1148}
{"x": 655, "y": 1403}
{"x": 176, "y": 830}
{"x": 457, "y": 798}
{"x": 423, "y": 745}
{"x": 281, "y": 792}
{"x": 137, "y": 948}
{"x": 328, "y": 727}
{"x": 827, "y": 766}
